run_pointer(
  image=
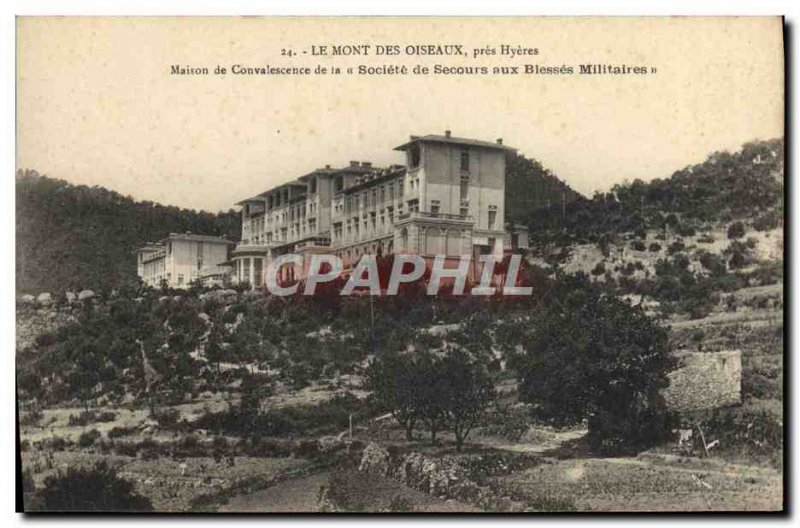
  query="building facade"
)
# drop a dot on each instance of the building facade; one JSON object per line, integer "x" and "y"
{"x": 448, "y": 199}
{"x": 181, "y": 259}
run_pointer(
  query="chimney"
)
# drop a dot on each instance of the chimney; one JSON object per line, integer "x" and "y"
{"x": 499, "y": 141}
{"x": 354, "y": 164}
{"x": 327, "y": 166}
{"x": 366, "y": 164}
{"x": 447, "y": 133}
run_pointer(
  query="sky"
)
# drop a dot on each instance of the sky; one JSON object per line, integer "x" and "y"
{"x": 97, "y": 103}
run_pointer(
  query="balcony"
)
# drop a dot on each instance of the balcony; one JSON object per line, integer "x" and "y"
{"x": 426, "y": 216}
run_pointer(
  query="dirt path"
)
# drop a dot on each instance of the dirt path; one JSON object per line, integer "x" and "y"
{"x": 294, "y": 495}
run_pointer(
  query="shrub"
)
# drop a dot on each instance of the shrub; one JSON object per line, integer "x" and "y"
{"x": 599, "y": 269}
{"x": 87, "y": 417}
{"x": 327, "y": 417}
{"x": 655, "y": 247}
{"x": 32, "y": 417}
{"x": 125, "y": 448}
{"x": 88, "y": 438}
{"x": 118, "y": 432}
{"x": 713, "y": 263}
{"x": 676, "y": 247}
{"x": 736, "y": 230}
{"x": 767, "y": 221}
{"x": 98, "y": 488}
{"x": 746, "y": 432}
{"x": 400, "y": 504}
{"x": 167, "y": 418}
{"x": 28, "y": 484}
{"x": 57, "y": 443}
{"x": 638, "y": 245}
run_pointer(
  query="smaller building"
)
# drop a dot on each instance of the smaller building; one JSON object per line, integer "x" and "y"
{"x": 516, "y": 239}
{"x": 181, "y": 259}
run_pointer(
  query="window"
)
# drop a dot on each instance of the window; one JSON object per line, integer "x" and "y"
{"x": 464, "y": 211}
{"x": 492, "y": 216}
{"x": 435, "y": 207}
{"x": 464, "y": 160}
{"x": 413, "y": 206}
{"x": 180, "y": 279}
{"x": 464, "y": 186}
{"x": 414, "y": 156}
{"x": 312, "y": 185}
{"x": 338, "y": 184}
{"x": 199, "y": 264}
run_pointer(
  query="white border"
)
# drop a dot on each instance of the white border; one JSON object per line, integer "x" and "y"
{"x": 339, "y": 7}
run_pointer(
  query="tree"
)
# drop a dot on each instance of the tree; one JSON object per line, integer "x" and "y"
{"x": 255, "y": 389}
{"x": 98, "y": 488}
{"x": 466, "y": 390}
{"x": 393, "y": 378}
{"x": 736, "y": 230}
{"x": 593, "y": 357}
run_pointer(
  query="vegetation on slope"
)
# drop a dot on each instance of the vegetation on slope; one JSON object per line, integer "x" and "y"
{"x": 74, "y": 236}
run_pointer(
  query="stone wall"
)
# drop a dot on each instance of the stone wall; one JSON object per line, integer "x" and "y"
{"x": 705, "y": 380}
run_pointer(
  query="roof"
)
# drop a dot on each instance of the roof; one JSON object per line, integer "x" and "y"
{"x": 149, "y": 247}
{"x": 198, "y": 238}
{"x": 315, "y": 172}
{"x": 432, "y": 138}
{"x": 257, "y": 198}
{"x": 260, "y": 197}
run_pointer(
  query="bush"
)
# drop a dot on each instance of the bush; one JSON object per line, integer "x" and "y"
{"x": 736, "y": 230}
{"x": 400, "y": 504}
{"x": 327, "y": 417}
{"x": 118, "y": 432}
{"x": 88, "y": 438}
{"x": 167, "y": 418}
{"x": 676, "y": 247}
{"x": 638, "y": 245}
{"x": 655, "y": 247}
{"x": 98, "y": 488}
{"x": 31, "y": 418}
{"x": 28, "y": 484}
{"x": 746, "y": 432}
{"x": 767, "y": 221}
{"x": 87, "y": 417}
{"x": 599, "y": 269}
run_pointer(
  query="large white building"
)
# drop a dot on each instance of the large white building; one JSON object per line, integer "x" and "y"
{"x": 181, "y": 259}
{"x": 448, "y": 198}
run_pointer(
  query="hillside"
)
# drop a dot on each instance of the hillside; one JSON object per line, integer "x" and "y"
{"x": 532, "y": 187}
{"x": 74, "y": 236}
{"x": 745, "y": 185}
